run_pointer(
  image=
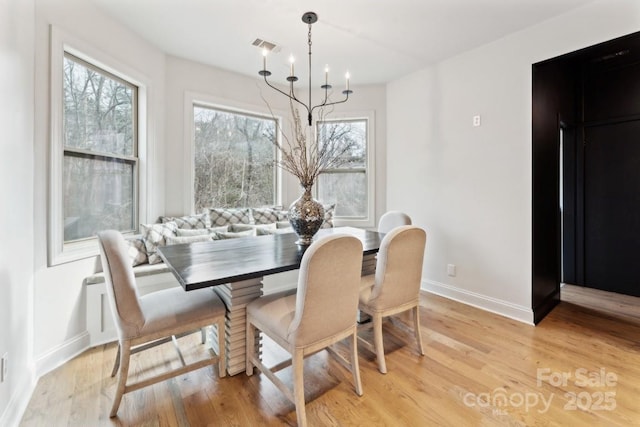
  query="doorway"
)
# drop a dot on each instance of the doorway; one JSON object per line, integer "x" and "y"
{"x": 586, "y": 171}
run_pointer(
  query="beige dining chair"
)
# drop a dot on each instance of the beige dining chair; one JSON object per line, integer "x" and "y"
{"x": 392, "y": 219}
{"x": 395, "y": 286}
{"x": 321, "y": 313}
{"x": 145, "y": 321}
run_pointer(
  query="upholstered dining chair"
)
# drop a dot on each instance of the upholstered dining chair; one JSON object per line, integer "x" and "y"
{"x": 395, "y": 286}
{"x": 321, "y": 313}
{"x": 145, "y": 321}
{"x": 392, "y": 219}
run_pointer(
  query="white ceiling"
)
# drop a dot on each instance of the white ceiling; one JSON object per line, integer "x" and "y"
{"x": 375, "y": 40}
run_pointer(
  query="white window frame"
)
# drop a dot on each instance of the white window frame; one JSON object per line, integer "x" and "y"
{"x": 193, "y": 99}
{"x": 60, "y": 252}
{"x": 368, "y": 220}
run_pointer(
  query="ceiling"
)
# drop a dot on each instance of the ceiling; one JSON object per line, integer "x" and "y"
{"x": 375, "y": 40}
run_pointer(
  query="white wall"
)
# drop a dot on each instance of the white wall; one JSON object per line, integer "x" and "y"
{"x": 16, "y": 213}
{"x": 470, "y": 187}
{"x": 59, "y": 305}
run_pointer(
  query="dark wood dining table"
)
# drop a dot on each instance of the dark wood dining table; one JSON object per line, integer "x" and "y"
{"x": 234, "y": 269}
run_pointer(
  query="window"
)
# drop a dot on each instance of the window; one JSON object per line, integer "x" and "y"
{"x": 233, "y": 159}
{"x": 348, "y": 184}
{"x": 99, "y": 171}
{"x": 98, "y": 156}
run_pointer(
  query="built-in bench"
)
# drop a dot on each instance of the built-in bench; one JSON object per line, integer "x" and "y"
{"x": 153, "y": 275}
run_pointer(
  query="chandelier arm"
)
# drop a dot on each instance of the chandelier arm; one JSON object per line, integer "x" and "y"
{"x": 286, "y": 94}
{"x": 325, "y": 104}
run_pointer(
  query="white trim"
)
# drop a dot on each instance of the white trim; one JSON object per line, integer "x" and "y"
{"x": 494, "y": 305}
{"x": 370, "y": 220}
{"x": 191, "y": 98}
{"x": 62, "y": 42}
{"x": 61, "y": 354}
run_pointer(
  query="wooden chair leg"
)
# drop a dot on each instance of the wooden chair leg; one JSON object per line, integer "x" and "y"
{"x": 416, "y": 319}
{"x": 250, "y": 347}
{"x": 355, "y": 367}
{"x": 298, "y": 387}
{"x": 125, "y": 354}
{"x": 116, "y": 364}
{"x": 378, "y": 343}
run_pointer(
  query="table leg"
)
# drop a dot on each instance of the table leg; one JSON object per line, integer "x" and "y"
{"x": 236, "y": 296}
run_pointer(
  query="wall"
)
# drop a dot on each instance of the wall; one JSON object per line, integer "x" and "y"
{"x": 59, "y": 302}
{"x": 16, "y": 213}
{"x": 470, "y": 187}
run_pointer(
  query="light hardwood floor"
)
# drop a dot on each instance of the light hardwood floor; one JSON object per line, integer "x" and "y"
{"x": 579, "y": 367}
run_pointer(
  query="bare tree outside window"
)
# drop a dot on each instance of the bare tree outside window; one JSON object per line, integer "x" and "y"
{"x": 346, "y": 185}
{"x": 233, "y": 159}
{"x": 100, "y": 151}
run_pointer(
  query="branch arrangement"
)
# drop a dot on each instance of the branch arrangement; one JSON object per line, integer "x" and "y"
{"x": 307, "y": 160}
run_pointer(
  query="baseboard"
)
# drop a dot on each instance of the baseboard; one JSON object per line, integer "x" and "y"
{"x": 61, "y": 354}
{"x": 494, "y": 305}
{"x": 19, "y": 401}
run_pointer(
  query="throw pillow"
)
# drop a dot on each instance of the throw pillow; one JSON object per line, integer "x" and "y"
{"x": 244, "y": 227}
{"x": 189, "y": 222}
{"x": 136, "y": 250}
{"x": 268, "y": 215}
{"x": 231, "y": 235}
{"x": 228, "y": 216}
{"x": 179, "y": 240}
{"x": 268, "y": 232}
{"x": 200, "y": 231}
{"x": 155, "y": 235}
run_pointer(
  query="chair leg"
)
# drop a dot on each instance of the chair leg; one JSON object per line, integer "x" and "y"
{"x": 298, "y": 387}
{"x": 125, "y": 353}
{"x": 355, "y": 367}
{"x": 250, "y": 347}
{"x": 116, "y": 364}
{"x": 378, "y": 343}
{"x": 416, "y": 319}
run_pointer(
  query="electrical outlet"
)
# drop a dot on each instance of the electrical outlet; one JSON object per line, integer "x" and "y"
{"x": 4, "y": 369}
{"x": 476, "y": 121}
{"x": 451, "y": 270}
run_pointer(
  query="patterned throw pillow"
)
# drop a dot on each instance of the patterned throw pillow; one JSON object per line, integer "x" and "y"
{"x": 268, "y": 215}
{"x": 179, "y": 240}
{"x": 283, "y": 224}
{"x": 329, "y": 211}
{"x": 155, "y": 235}
{"x": 136, "y": 250}
{"x": 228, "y": 216}
{"x": 189, "y": 222}
{"x": 201, "y": 231}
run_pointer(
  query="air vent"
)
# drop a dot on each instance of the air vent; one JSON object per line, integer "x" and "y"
{"x": 263, "y": 44}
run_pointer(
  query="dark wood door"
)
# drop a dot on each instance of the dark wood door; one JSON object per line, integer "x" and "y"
{"x": 610, "y": 190}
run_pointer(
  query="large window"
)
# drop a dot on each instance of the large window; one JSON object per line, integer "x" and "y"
{"x": 100, "y": 164}
{"x": 233, "y": 159}
{"x": 347, "y": 185}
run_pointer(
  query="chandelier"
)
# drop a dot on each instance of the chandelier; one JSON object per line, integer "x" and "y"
{"x": 308, "y": 18}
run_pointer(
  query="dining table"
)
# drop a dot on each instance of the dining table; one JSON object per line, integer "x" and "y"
{"x": 234, "y": 269}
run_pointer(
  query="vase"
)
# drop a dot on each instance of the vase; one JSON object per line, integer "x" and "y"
{"x": 306, "y": 216}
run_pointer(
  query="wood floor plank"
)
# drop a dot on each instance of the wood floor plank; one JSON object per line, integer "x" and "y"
{"x": 479, "y": 369}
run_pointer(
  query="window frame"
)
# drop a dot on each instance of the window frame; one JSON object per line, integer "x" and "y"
{"x": 368, "y": 220}
{"x": 63, "y": 44}
{"x": 193, "y": 100}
